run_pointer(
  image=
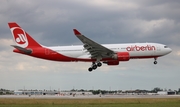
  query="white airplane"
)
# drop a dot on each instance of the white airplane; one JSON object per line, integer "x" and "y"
{"x": 90, "y": 51}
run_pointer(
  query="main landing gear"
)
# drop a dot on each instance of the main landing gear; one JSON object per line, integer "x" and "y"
{"x": 94, "y": 66}
{"x": 155, "y": 62}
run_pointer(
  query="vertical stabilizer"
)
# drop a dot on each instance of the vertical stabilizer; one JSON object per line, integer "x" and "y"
{"x": 21, "y": 38}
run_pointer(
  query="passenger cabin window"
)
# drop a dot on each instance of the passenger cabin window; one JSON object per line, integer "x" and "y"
{"x": 165, "y": 46}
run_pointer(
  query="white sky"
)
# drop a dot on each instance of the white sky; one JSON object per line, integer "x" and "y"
{"x": 105, "y": 21}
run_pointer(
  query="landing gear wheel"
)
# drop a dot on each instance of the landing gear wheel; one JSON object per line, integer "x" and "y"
{"x": 94, "y": 67}
{"x": 99, "y": 64}
{"x": 155, "y": 62}
{"x": 90, "y": 69}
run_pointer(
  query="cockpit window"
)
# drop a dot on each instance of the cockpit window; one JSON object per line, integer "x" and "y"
{"x": 165, "y": 46}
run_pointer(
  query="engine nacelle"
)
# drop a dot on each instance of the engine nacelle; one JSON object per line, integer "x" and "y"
{"x": 122, "y": 56}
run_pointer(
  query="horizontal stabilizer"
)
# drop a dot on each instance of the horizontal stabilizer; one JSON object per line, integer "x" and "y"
{"x": 24, "y": 50}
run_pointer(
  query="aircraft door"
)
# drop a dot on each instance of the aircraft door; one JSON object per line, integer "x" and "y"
{"x": 157, "y": 50}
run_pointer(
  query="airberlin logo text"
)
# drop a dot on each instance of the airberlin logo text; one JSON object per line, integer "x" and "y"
{"x": 19, "y": 37}
{"x": 141, "y": 48}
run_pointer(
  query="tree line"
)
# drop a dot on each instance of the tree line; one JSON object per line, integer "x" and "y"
{"x": 155, "y": 90}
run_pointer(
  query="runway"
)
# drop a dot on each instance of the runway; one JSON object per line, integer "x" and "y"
{"x": 86, "y": 96}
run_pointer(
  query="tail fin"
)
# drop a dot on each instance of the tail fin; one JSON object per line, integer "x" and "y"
{"x": 21, "y": 38}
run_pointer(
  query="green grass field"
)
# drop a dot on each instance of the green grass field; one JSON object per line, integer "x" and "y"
{"x": 147, "y": 102}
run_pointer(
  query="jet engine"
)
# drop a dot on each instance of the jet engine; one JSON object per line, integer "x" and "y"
{"x": 121, "y": 56}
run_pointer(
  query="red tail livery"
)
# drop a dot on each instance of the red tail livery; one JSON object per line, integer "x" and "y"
{"x": 22, "y": 38}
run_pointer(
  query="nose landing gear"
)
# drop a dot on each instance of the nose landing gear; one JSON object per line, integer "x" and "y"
{"x": 155, "y": 62}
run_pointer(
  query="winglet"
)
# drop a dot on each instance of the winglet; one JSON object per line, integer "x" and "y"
{"x": 76, "y": 32}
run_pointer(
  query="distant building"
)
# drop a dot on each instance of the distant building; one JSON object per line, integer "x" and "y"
{"x": 166, "y": 93}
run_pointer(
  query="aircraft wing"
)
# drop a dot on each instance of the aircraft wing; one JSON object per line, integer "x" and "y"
{"x": 96, "y": 50}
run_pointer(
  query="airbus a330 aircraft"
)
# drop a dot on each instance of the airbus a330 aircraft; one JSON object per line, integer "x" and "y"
{"x": 90, "y": 51}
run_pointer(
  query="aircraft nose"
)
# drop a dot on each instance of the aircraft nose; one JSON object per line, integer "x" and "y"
{"x": 169, "y": 50}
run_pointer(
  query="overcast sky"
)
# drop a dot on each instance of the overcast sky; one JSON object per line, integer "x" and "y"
{"x": 105, "y": 21}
